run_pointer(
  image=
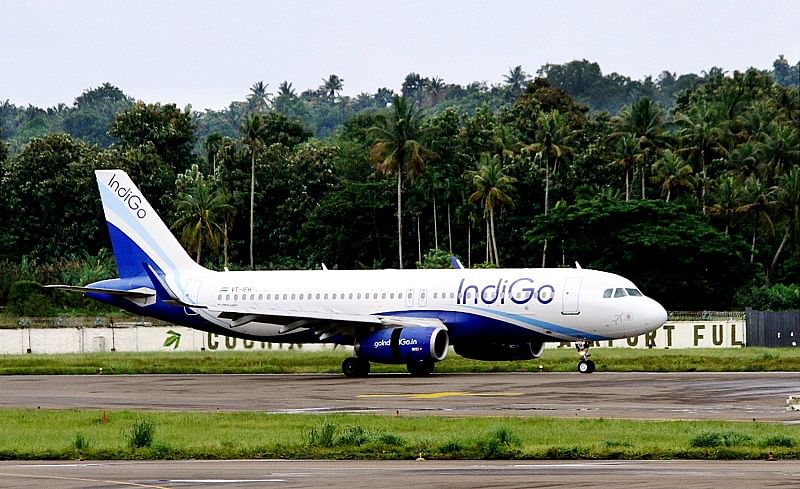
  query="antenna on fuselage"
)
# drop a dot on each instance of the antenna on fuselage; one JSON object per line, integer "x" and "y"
{"x": 324, "y": 267}
{"x": 456, "y": 263}
{"x": 578, "y": 266}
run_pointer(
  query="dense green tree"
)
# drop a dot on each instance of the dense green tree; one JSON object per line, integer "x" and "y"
{"x": 50, "y": 199}
{"x": 674, "y": 255}
{"x": 165, "y": 129}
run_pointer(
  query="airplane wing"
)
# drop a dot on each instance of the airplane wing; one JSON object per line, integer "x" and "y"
{"x": 325, "y": 324}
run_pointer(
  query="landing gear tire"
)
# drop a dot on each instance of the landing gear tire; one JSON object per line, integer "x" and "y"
{"x": 355, "y": 367}
{"x": 420, "y": 368}
{"x": 586, "y": 366}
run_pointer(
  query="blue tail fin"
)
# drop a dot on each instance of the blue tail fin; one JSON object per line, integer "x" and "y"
{"x": 138, "y": 235}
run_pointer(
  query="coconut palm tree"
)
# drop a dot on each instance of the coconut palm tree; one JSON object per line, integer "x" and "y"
{"x": 285, "y": 89}
{"x": 671, "y": 171}
{"x": 332, "y": 86}
{"x": 201, "y": 211}
{"x": 258, "y": 100}
{"x": 254, "y": 133}
{"x": 729, "y": 201}
{"x": 493, "y": 189}
{"x": 397, "y": 149}
{"x": 516, "y": 79}
{"x": 627, "y": 150}
{"x": 702, "y": 140}
{"x": 644, "y": 121}
{"x": 554, "y": 138}
{"x": 788, "y": 201}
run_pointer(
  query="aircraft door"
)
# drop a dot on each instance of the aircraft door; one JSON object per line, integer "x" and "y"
{"x": 409, "y": 297}
{"x": 570, "y": 300}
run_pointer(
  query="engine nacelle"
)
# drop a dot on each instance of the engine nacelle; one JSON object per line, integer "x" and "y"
{"x": 501, "y": 351}
{"x": 404, "y": 344}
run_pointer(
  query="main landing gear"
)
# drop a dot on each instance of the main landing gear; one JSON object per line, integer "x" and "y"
{"x": 355, "y": 367}
{"x": 585, "y": 366}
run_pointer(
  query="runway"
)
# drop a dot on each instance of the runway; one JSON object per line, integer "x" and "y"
{"x": 722, "y": 396}
{"x": 399, "y": 474}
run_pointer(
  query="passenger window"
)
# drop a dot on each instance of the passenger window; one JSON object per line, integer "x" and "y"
{"x": 318, "y": 297}
{"x": 326, "y": 296}
{"x": 351, "y": 296}
{"x": 383, "y": 295}
{"x": 435, "y": 295}
{"x": 261, "y": 297}
{"x": 634, "y": 292}
{"x": 607, "y": 293}
{"x": 268, "y": 296}
{"x": 334, "y": 296}
{"x": 391, "y": 296}
{"x": 252, "y": 297}
{"x": 358, "y": 296}
{"x": 620, "y": 293}
{"x": 400, "y": 295}
{"x": 236, "y": 297}
{"x": 284, "y": 296}
{"x": 219, "y": 297}
{"x": 227, "y": 297}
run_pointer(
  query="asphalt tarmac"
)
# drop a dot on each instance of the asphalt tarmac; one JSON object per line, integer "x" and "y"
{"x": 723, "y": 396}
{"x": 236, "y": 474}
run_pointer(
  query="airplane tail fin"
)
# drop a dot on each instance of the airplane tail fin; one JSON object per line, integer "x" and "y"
{"x": 138, "y": 236}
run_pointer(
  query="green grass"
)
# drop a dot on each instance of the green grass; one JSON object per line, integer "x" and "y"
{"x": 71, "y": 434}
{"x": 553, "y": 360}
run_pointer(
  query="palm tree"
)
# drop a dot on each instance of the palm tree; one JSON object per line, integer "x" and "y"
{"x": 780, "y": 148}
{"x": 259, "y": 97}
{"x": 435, "y": 87}
{"x": 702, "y": 140}
{"x": 285, "y": 89}
{"x": 212, "y": 145}
{"x": 332, "y": 86}
{"x": 788, "y": 200}
{"x": 516, "y": 79}
{"x": 671, "y": 171}
{"x": 760, "y": 198}
{"x": 200, "y": 209}
{"x": 397, "y": 149}
{"x": 644, "y": 121}
{"x": 492, "y": 190}
{"x": 553, "y": 145}
{"x": 254, "y": 133}
{"x": 729, "y": 196}
{"x": 627, "y": 150}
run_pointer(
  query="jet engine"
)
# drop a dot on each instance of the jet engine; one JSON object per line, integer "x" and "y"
{"x": 501, "y": 351}
{"x": 409, "y": 344}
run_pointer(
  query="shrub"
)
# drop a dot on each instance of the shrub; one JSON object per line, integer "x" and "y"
{"x": 27, "y": 298}
{"x": 141, "y": 433}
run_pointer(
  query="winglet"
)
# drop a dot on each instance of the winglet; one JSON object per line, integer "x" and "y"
{"x": 456, "y": 262}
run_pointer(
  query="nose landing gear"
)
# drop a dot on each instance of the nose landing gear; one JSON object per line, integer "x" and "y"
{"x": 585, "y": 366}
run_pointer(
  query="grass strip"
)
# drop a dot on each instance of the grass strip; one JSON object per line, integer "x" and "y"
{"x": 123, "y": 435}
{"x": 553, "y": 360}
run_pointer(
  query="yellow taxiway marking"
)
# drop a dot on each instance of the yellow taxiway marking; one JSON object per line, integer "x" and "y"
{"x": 439, "y": 395}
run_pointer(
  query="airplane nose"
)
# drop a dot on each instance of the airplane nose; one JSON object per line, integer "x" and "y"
{"x": 658, "y": 314}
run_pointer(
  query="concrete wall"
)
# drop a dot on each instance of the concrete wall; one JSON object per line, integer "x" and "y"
{"x": 143, "y": 337}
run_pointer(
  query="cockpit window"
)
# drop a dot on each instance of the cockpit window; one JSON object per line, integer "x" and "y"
{"x": 620, "y": 293}
{"x": 634, "y": 292}
{"x": 607, "y": 293}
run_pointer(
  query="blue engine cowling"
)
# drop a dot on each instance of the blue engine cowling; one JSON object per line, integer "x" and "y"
{"x": 404, "y": 345}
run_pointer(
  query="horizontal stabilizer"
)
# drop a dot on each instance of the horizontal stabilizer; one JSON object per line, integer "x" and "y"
{"x": 130, "y": 294}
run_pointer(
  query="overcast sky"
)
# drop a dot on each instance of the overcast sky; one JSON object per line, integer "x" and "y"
{"x": 209, "y": 53}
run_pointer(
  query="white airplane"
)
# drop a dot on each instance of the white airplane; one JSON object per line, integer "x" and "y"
{"x": 389, "y": 316}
